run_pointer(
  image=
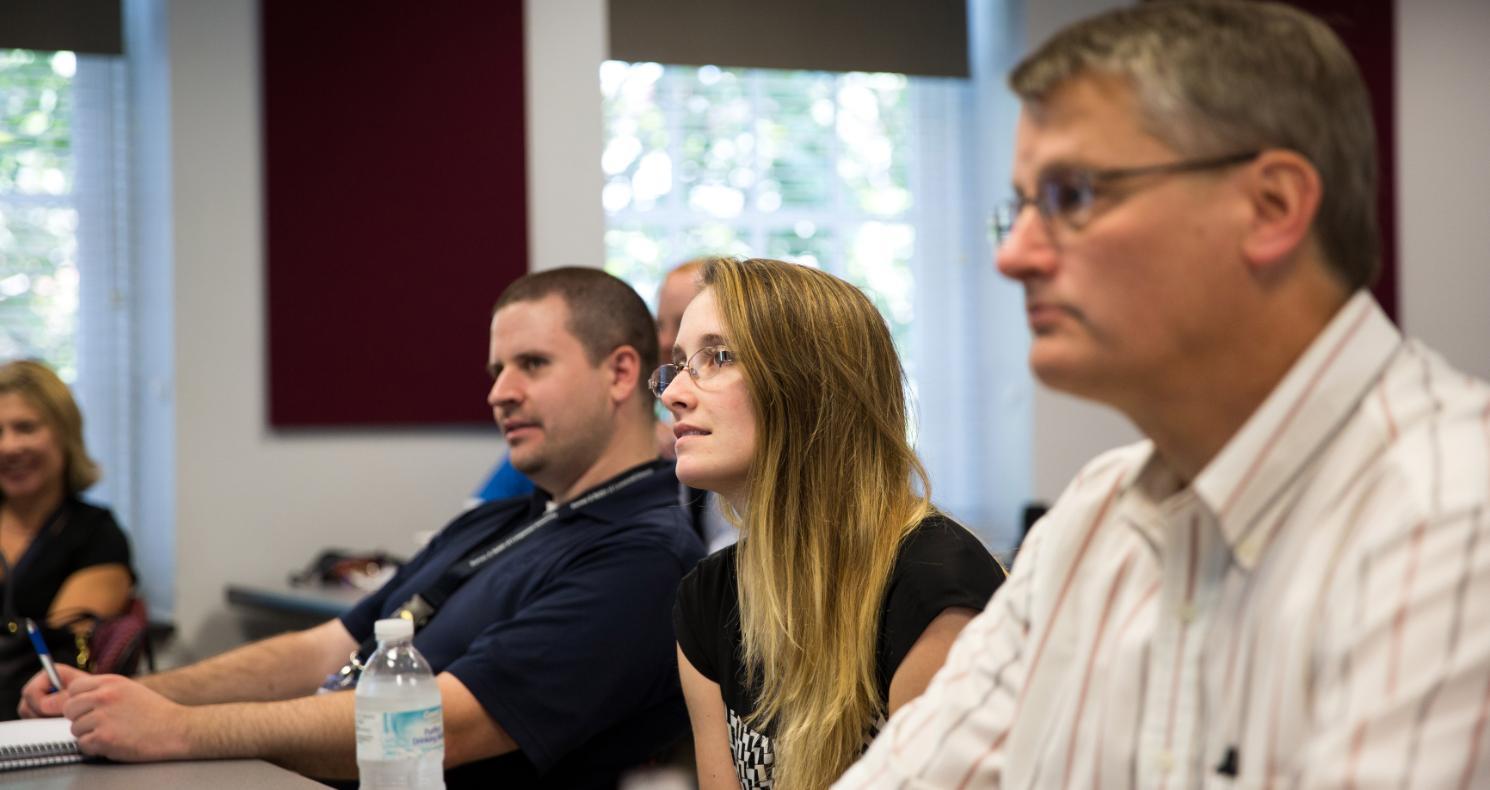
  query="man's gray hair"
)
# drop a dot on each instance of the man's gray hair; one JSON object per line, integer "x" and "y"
{"x": 1228, "y": 76}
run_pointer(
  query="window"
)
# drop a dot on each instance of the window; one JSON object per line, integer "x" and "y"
{"x": 64, "y": 275}
{"x": 38, "y": 220}
{"x": 884, "y": 180}
{"x": 810, "y": 167}
{"x": 86, "y": 264}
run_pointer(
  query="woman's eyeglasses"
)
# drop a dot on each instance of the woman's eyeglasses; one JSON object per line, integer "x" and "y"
{"x": 702, "y": 366}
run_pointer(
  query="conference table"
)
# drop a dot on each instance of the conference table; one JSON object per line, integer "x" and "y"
{"x": 318, "y": 601}
{"x": 214, "y": 774}
{"x": 312, "y": 602}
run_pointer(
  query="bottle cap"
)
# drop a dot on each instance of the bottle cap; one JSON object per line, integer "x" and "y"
{"x": 393, "y": 628}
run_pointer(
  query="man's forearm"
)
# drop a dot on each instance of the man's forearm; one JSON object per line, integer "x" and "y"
{"x": 279, "y": 668}
{"x": 314, "y": 735}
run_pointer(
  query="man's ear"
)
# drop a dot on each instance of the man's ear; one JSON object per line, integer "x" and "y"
{"x": 624, "y": 369}
{"x": 1284, "y": 191}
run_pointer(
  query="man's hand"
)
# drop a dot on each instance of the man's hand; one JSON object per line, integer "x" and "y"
{"x": 115, "y": 717}
{"x": 38, "y": 701}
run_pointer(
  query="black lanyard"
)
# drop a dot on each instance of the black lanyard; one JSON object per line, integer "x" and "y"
{"x": 419, "y": 608}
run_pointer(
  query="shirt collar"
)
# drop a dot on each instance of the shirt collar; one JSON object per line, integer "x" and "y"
{"x": 1297, "y": 418}
{"x": 641, "y": 487}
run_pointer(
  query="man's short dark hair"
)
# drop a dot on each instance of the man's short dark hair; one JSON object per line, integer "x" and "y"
{"x": 604, "y": 312}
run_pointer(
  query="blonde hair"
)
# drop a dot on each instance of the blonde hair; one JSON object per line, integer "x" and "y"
{"x": 40, "y": 387}
{"x": 832, "y": 495}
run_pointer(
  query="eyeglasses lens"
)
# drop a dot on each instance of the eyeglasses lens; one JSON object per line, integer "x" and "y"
{"x": 706, "y": 362}
{"x": 661, "y": 378}
{"x": 1066, "y": 196}
{"x": 1001, "y": 224}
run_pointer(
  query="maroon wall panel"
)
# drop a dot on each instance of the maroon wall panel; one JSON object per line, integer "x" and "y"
{"x": 395, "y": 205}
{"x": 1368, "y": 28}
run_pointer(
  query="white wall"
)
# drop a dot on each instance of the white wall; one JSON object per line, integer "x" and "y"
{"x": 1443, "y": 177}
{"x": 253, "y": 504}
{"x": 566, "y": 41}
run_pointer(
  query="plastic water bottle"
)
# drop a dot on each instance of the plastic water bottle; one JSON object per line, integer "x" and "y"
{"x": 400, "y": 725}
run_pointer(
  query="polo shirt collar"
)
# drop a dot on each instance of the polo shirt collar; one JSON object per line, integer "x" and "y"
{"x": 642, "y": 487}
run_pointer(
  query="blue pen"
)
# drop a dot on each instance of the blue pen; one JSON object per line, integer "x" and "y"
{"x": 44, "y": 654}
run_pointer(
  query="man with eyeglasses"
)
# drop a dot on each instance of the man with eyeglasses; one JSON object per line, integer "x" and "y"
{"x": 1288, "y": 582}
{"x": 545, "y": 618}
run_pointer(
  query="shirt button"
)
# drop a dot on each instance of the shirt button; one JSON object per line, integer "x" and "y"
{"x": 1166, "y": 761}
{"x": 1186, "y": 613}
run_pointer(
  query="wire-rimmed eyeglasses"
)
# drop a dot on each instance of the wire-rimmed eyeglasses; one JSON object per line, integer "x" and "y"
{"x": 1068, "y": 194}
{"x": 702, "y": 366}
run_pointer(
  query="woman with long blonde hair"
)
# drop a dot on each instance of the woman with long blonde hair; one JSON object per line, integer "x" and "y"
{"x": 847, "y": 586}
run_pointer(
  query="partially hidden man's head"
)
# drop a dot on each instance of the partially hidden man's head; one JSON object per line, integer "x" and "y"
{"x": 1218, "y": 77}
{"x": 677, "y": 290}
{"x": 570, "y": 353}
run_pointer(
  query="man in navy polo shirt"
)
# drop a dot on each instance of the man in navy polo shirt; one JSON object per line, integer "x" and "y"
{"x": 553, "y": 648}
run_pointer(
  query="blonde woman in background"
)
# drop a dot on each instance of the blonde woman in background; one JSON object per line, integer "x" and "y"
{"x": 847, "y": 586}
{"x": 64, "y": 559}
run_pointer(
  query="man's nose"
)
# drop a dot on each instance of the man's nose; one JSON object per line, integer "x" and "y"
{"x": 1028, "y": 250}
{"x": 503, "y": 390}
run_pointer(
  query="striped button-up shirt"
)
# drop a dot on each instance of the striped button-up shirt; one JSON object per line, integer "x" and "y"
{"x": 1313, "y": 611}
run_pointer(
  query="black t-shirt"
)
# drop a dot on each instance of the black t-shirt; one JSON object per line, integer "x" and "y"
{"x": 78, "y": 536}
{"x": 940, "y": 565}
{"x": 564, "y": 637}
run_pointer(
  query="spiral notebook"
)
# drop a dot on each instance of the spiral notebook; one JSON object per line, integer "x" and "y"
{"x": 30, "y": 743}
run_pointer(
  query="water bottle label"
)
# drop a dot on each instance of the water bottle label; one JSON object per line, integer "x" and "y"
{"x": 399, "y": 735}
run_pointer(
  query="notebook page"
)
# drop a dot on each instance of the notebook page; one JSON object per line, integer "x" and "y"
{"x": 34, "y": 732}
